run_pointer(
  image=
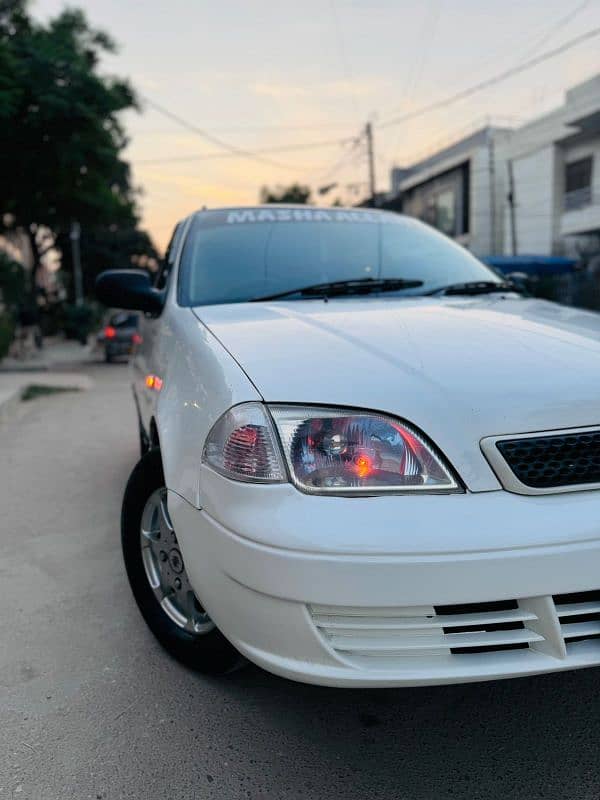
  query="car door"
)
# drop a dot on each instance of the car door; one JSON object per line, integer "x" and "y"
{"x": 148, "y": 364}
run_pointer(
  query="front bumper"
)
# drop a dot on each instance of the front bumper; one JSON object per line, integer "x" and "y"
{"x": 443, "y": 589}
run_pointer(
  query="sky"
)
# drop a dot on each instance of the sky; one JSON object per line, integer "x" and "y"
{"x": 268, "y": 74}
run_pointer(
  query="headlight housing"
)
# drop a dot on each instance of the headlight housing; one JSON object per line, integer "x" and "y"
{"x": 326, "y": 450}
{"x": 242, "y": 445}
{"x": 336, "y": 451}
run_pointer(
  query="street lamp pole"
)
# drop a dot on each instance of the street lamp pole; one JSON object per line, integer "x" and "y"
{"x": 76, "y": 256}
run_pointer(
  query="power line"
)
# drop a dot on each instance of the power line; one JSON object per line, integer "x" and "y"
{"x": 558, "y": 25}
{"x": 347, "y": 158}
{"x": 427, "y": 36}
{"x": 255, "y": 128}
{"x": 343, "y": 55}
{"x": 516, "y": 44}
{"x": 429, "y": 25}
{"x": 285, "y": 148}
{"x": 478, "y": 87}
{"x": 232, "y": 151}
{"x": 215, "y": 140}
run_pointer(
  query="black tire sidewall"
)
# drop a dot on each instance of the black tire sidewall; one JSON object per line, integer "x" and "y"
{"x": 209, "y": 652}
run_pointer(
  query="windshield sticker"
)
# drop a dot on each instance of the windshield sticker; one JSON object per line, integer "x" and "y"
{"x": 243, "y": 216}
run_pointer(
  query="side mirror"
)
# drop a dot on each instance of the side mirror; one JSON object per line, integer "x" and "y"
{"x": 128, "y": 288}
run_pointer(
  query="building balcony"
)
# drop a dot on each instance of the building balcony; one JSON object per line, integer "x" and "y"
{"x": 581, "y": 213}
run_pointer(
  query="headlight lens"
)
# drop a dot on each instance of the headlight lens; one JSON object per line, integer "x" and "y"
{"x": 334, "y": 451}
{"x": 242, "y": 445}
{"x": 327, "y": 450}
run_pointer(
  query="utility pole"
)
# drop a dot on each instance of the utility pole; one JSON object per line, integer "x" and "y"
{"x": 492, "y": 179}
{"x": 371, "y": 160}
{"x": 512, "y": 206}
{"x": 76, "y": 257}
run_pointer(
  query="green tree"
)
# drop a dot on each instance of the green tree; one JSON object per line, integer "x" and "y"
{"x": 108, "y": 248}
{"x": 12, "y": 283}
{"x": 296, "y": 193}
{"x": 62, "y": 140}
{"x": 12, "y": 294}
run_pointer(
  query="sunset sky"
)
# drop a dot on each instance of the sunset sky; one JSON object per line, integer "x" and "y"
{"x": 268, "y": 74}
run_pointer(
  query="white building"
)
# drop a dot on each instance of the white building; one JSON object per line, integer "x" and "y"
{"x": 556, "y": 167}
{"x": 460, "y": 189}
{"x": 554, "y": 206}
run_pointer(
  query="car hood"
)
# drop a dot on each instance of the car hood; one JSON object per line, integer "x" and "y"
{"x": 460, "y": 369}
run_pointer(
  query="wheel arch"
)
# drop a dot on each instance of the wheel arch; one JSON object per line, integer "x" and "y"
{"x": 153, "y": 434}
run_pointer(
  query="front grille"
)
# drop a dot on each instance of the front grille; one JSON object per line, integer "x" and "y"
{"x": 545, "y": 462}
{"x": 384, "y": 638}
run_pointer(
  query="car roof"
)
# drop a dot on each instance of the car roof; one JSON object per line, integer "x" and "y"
{"x": 299, "y": 206}
{"x": 290, "y": 207}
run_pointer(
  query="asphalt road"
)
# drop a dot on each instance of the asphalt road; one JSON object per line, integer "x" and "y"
{"x": 91, "y": 707}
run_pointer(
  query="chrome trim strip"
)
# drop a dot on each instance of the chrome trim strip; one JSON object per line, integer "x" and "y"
{"x": 507, "y": 477}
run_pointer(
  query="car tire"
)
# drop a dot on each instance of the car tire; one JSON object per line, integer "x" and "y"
{"x": 206, "y": 651}
{"x": 144, "y": 441}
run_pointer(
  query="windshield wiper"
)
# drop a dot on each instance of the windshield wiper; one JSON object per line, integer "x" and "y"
{"x": 475, "y": 287}
{"x": 348, "y": 287}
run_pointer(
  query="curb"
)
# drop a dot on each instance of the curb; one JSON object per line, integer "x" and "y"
{"x": 10, "y": 399}
{"x": 10, "y": 403}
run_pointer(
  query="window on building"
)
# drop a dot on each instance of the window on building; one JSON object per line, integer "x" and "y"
{"x": 442, "y": 202}
{"x": 445, "y": 207}
{"x": 578, "y": 183}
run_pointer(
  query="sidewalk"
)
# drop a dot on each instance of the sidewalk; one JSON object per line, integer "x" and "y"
{"x": 52, "y": 366}
{"x": 56, "y": 353}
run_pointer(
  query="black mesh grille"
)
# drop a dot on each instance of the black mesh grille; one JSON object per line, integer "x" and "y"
{"x": 544, "y": 462}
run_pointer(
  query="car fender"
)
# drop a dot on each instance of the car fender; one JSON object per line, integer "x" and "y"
{"x": 198, "y": 381}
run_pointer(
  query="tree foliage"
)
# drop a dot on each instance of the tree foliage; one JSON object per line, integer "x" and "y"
{"x": 12, "y": 283}
{"x": 108, "y": 248}
{"x": 296, "y": 193}
{"x": 12, "y": 294}
{"x": 62, "y": 139}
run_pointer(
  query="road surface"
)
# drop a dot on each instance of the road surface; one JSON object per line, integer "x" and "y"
{"x": 91, "y": 707}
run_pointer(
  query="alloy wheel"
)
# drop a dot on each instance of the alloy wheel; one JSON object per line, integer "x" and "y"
{"x": 165, "y": 570}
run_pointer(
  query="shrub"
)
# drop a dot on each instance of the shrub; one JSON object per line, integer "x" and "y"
{"x": 79, "y": 321}
{"x": 13, "y": 285}
{"x": 7, "y": 329}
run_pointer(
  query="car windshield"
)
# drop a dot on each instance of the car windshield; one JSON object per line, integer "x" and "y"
{"x": 233, "y": 256}
{"x": 123, "y": 320}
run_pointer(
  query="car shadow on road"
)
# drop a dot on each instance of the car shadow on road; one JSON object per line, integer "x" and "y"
{"x": 527, "y": 737}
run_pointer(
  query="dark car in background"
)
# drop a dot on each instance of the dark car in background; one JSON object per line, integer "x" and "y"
{"x": 120, "y": 335}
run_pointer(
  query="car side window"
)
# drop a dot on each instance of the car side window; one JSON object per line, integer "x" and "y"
{"x": 162, "y": 277}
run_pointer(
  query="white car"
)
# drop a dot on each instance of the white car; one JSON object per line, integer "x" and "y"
{"x": 367, "y": 460}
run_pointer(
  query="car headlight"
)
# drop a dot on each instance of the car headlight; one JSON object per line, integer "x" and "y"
{"x": 327, "y": 451}
{"x": 333, "y": 451}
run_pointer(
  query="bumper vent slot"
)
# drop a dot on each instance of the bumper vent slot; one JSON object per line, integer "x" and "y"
{"x": 494, "y": 626}
{"x": 414, "y": 637}
{"x": 425, "y": 631}
{"x": 579, "y": 616}
{"x": 550, "y": 462}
